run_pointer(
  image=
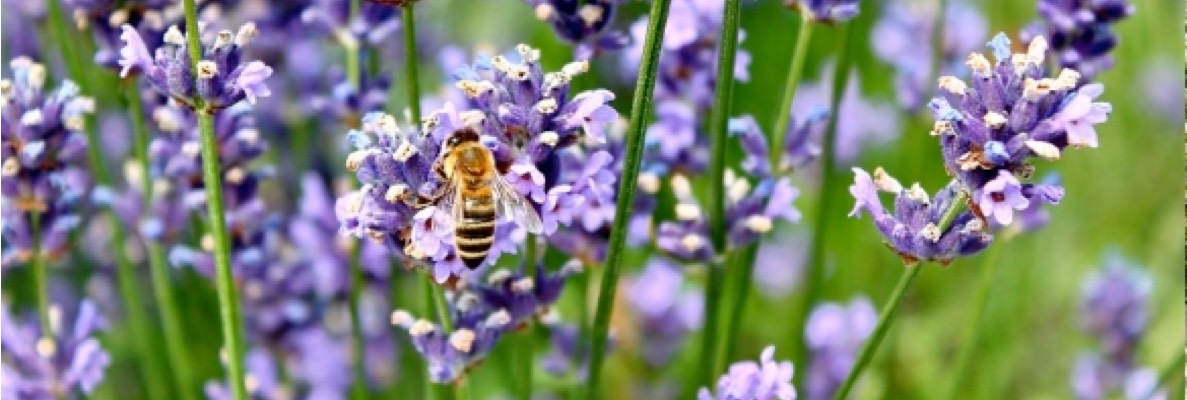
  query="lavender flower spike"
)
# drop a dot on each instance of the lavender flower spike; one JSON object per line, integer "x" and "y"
{"x": 913, "y": 230}
{"x": 764, "y": 380}
{"x": 66, "y": 366}
{"x": 826, "y": 11}
{"x": 835, "y": 334}
{"x": 1081, "y": 31}
{"x": 222, "y": 77}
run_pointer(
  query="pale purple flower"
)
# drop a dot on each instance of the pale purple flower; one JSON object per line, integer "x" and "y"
{"x": 1000, "y": 197}
{"x": 834, "y": 334}
{"x": 826, "y": 11}
{"x": 666, "y": 308}
{"x": 584, "y": 24}
{"x": 72, "y": 363}
{"x": 902, "y": 37}
{"x": 764, "y": 380}
{"x": 1081, "y": 113}
{"x": 527, "y": 180}
{"x": 877, "y": 126}
{"x": 1081, "y": 31}
{"x": 1115, "y": 310}
{"x": 592, "y": 113}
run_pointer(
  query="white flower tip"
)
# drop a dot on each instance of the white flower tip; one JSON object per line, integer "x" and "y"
{"x": 499, "y": 319}
{"x": 11, "y": 167}
{"x": 498, "y": 277}
{"x": 236, "y": 175}
{"x": 395, "y": 193}
{"x": 1037, "y": 50}
{"x": 46, "y": 347}
{"x": 207, "y": 69}
{"x": 246, "y": 33}
{"x": 591, "y": 14}
{"x": 680, "y": 186}
{"x": 402, "y": 318}
{"x": 979, "y": 64}
{"x": 931, "y": 232}
{"x": 174, "y": 36}
{"x": 688, "y": 212}
{"x": 191, "y": 149}
{"x": 462, "y": 340}
{"x": 1043, "y": 149}
{"x": 546, "y": 106}
{"x": 421, "y": 327}
{"x": 223, "y": 39}
{"x": 953, "y": 85}
{"x": 355, "y": 159}
{"x": 692, "y": 242}
{"x": 995, "y": 120}
{"x": 549, "y": 138}
{"x": 405, "y": 151}
{"x": 523, "y": 285}
{"x": 917, "y": 193}
{"x": 545, "y": 11}
{"x": 1068, "y": 79}
{"x": 886, "y": 183}
{"x": 472, "y": 118}
{"x": 1021, "y": 63}
{"x": 648, "y": 182}
{"x": 942, "y": 128}
{"x": 759, "y": 224}
{"x": 576, "y": 68}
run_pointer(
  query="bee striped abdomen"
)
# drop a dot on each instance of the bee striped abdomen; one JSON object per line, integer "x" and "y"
{"x": 475, "y": 233}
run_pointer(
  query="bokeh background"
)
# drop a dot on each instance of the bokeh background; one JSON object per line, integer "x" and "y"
{"x": 1122, "y": 198}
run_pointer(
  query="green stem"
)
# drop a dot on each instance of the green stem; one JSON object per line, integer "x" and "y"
{"x": 41, "y": 277}
{"x": 972, "y": 333}
{"x": 794, "y": 72}
{"x": 411, "y": 76}
{"x": 718, "y": 125}
{"x": 640, "y": 111}
{"x": 353, "y": 68}
{"x": 436, "y": 298}
{"x": 743, "y": 271}
{"x": 175, "y": 341}
{"x": 885, "y": 318}
{"x": 1173, "y": 368}
{"x": 824, "y": 207}
{"x": 359, "y": 389}
{"x": 126, "y": 278}
{"x": 527, "y": 352}
{"x": 212, "y": 177}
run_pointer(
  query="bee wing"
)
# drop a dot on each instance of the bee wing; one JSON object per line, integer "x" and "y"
{"x": 449, "y": 201}
{"x": 510, "y": 204}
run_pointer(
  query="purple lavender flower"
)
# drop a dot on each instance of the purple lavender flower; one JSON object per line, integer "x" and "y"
{"x": 70, "y": 364}
{"x": 1165, "y": 100}
{"x": 1035, "y": 216}
{"x": 586, "y": 25}
{"x": 568, "y": 355}
{"x": 374, "y": 25}
{"x": 835, "y": 334}
{"x": 42, "y": 177}
{"x": 779, "y": 264}
{"x": 667, "y": 309}
{"x": 1080, "y": 32}
{"x": 106, "y": 18}
{"x": 317, "y": 364}
{"x": 21, "y": 17}
{"x": 337, "y": 98}
{"x": 826, "y": 11}
{"x": 878, "y": 125}
{"x": 897, "y": 37}
{"x": 222, "y": 78}
{"x": 912, "y": 230}
{"x": 765, "y": 380}
{"x": 1115, "y": 313}
{"x": 481, "y": 313}
{"x": 990, "y": 130}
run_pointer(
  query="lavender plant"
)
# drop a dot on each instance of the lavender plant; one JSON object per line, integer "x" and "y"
{"x": 63, "y": 359}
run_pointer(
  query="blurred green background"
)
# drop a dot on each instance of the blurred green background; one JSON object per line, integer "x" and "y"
{"x": 1123, "y": 197}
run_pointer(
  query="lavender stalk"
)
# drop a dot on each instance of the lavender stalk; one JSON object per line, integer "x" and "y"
{"x": 211, "y": 175}
{"x": 640, "y": 109}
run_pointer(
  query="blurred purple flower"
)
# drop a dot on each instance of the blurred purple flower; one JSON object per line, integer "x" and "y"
{"x": 43, "y": 179}
{"x": 765, "y": 380}
{"x": 70, "y": 364}
{"x": 1080, "y": 32}
{"x": 913, "y": 231}
{"x": 835, "y": 334}
{"x": 878, "y": 125}
{"x": 667, "y": 309}
{"x": 826, "y": 11}
{"x": 222, "y": 77}
{"x": 779, "y": 264}
{"x": 586, "y": 25}
{"x": 897, "y": 37}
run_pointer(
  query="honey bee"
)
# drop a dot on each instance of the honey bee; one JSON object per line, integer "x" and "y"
{"x": 477, "y": 197}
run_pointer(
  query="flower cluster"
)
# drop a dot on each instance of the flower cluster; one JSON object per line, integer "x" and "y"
{"x": 990, "y": 129}
{"x": 1115, "y": 312}
{"x": 534, "y": 130}
{"x": 69, "y": 364}
{"x": 43, "y": 147}
{"x": 481, "y": 312}
{"x": 220, "y": 80}
{"x": 876, "y": 128}
{"x": 106, "y": 18}
{"x": 826, "y": 11}
{"x": 764, "y": 380}
{"x": 585, "y": 24}
{"x": 751, "y": 208}
{"x": 905, "y": 24}
{"x": 1081, "y": 31}
{"x": 835, "y": 333}
{"x": 915, "y": 230}
{"x": 667, "y": 311}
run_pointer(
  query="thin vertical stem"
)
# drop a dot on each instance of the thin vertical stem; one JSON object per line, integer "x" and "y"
{"x": 175, "y": 341}
{"x": 411, "y": 77}
{"x": 972, "y": 333}
{"x": 359, "y": 361}
{"x": 40, "y": 277}
{"x": 815, "y": 265}
{"x": 527, "y": 352}
{"x": 353, "y": 68}
{"x": 718, "y": 125}
{"x": 640, "y": 111}
{"x": 212, "y": 178}
{"x": 885, "y": 318}
{"x": 794, "y": 72}
{"x": 125, "y": 271}
{"x": 744, "y": 269}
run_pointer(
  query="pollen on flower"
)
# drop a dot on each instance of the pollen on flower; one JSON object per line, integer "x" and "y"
{"x": 759, "y": 223}
{"x": 405, "y": 152}
{"x": 246, "y": 33}
{"x": 497, "y": 277}
{"x": 402, "y": 318}
{"x": 529, "y": 53}
{"x": 591, "y": 14}
{"x": 680, "y": 186}
{"x": 931, "y": 232}
{"x": 576, "y": 68}
{"x": 421, "y": 327}
{"x": 36, "y": 75}
{"x": 462, "y": 340}
{"x": 235, "y": 175}
{"x": 498, "y": 319}
{"x": 648, "y": 182}
{"x": 979, "y": 64}
{"x": 207, "y": 69}
{"x": 688, "y": 212}
{"x": 1020, "y": 62}
{"x": 953, "y": 85}
{"x": 1035, "y": 89}
{"x": 1068, "y": 79}
{"x": 1037, "y": 50}
{"x": 970, "y": 160}
{"x": 886, "y": 183}
{"x": 523, "y": 285}
{"x": 117, "y": 18}
{"x": 395, "y": 193}
{"x": 995, "y": 120}
{"x": 207, "y": 242}
{"x": 466, "y": 302}
{"x": 174, "y": 37}
{"x": 355, "y": 159}
{"x": 11, "y": 167}
{"x": 224, "y": 39}
{"x": 32, "y": 118}
{"x": 549, "y": 138}
{"x": 692, "y": 242}
{"x": 917, "y": 193}
{"x": 1043, "y": 149}
{"x": 974, "y": 225}
{"x": 738, "y": 189}
{"x": 545, "y": 11}
{"x": 473, "y": 89}
{"x": 46, "y": 347}
{"x": 472, "y": 117}
{"x": 546, "y": 106}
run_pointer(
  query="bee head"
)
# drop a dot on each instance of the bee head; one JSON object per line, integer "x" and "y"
{"x": 460, "y": 136}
